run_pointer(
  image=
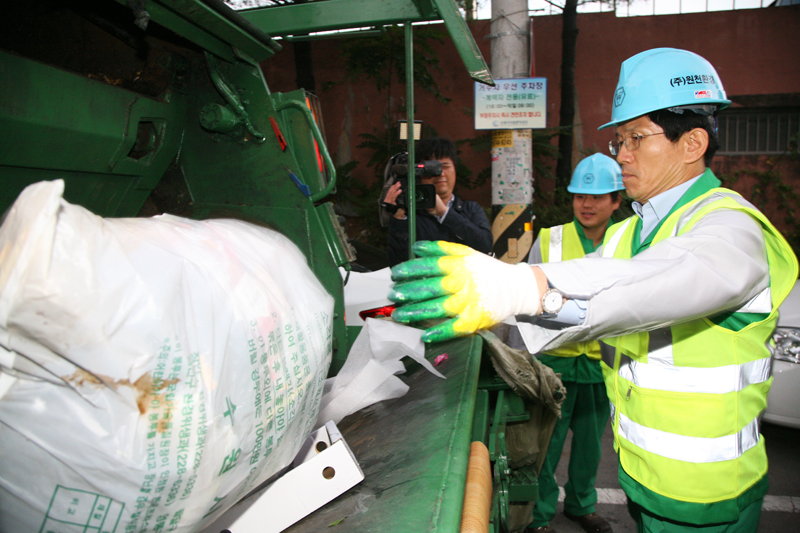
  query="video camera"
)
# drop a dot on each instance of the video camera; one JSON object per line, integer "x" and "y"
{"x": 424, "y": 194}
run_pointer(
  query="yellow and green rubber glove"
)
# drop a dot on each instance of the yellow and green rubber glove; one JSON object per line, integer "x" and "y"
{"x": 454, "y": 281}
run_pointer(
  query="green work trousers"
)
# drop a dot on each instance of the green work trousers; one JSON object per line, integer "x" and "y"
{"x": 585, "y": 411}
{"x": 647, "y": 522}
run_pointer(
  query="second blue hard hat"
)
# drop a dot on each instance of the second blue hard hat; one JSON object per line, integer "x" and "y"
{"x": 597, "y": 174}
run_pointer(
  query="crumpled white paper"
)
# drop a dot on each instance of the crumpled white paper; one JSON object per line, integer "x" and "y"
{"x": 369, "y": 374}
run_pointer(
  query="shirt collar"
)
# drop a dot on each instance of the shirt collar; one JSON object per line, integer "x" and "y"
{"x": 660, "y": 206}
{"x": 449, "y": 205}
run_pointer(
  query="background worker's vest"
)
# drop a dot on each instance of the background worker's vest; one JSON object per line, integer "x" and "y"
{"x": 561, "y": 243}
{"x": 686, "y": 399}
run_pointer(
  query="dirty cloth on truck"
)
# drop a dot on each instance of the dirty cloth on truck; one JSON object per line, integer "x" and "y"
{"x": 543, "y": 392}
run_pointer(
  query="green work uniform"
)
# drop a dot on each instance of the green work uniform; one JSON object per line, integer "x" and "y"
{"x": 585, "y": 410}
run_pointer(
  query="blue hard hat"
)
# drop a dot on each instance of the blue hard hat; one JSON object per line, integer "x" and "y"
{"x": 597, "y": 174}
{"x": 664, "y": 78}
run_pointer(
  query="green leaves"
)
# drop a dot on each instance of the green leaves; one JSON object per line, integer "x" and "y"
{"x": 383, "y": 58}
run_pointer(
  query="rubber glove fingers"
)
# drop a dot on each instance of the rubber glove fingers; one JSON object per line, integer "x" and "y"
{"x": 425, "y": 310}
{"x": 433, "y": 260}
{"x": 454, "y": 281}
{"x": 442, "y": 331}
{"x": 469, "y": 316}
{"x": 417, "y": 290}
{"x": 423, "y": 267}
{"x": 429, "y": 276}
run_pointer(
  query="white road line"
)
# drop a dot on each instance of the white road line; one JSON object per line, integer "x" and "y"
{"x": 615, "y": 496}
{"x": 781, "y": 504}
{"x": 784, "y": 504}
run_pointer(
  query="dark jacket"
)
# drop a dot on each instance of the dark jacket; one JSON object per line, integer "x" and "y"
{"x": 465, "y": 223}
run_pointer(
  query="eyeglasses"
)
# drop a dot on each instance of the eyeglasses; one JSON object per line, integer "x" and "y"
{"x": 631, "y": 142}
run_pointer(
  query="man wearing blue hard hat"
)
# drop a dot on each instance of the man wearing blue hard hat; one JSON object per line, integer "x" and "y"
{"x": 684, "y": 297}
{"x": 595, "y": 187}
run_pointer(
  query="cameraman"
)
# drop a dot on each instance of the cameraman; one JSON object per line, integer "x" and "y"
{"x": 452, "y": 219}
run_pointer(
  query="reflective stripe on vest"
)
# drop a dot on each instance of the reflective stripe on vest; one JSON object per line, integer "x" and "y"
{"x": 760, "y": 303}
{"x": 561, "y": 243}
{"x": 556, "y": 241}
{"x": 611, "y": 247}
{"x": 659, "y": 373}
{"x": 685, "y": 413}
{"x": 716, "y": 380}
{"x": 689, "y": 449}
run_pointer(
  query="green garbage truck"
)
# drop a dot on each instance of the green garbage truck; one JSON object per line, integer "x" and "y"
{"x": 136, "y": 103}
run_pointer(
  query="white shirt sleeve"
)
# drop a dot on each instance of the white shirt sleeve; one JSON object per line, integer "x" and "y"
{"x": 718, "y": 265}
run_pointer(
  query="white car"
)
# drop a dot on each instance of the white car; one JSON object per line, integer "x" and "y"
{"x": 783, "y": 402}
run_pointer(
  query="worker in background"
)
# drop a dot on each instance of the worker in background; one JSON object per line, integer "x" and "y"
{"x": 595, "y": 185}
{"x": 684, "y": 297}
{"x": 451, "y": 219}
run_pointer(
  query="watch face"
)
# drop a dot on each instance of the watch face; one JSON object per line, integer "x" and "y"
{"x": 552, "y": 302}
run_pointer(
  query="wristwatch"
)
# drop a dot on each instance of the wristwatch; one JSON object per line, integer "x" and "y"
{"x": 552, "y": 301}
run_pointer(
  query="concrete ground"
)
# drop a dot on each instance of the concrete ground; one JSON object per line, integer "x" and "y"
{"x": 780, "y": 512}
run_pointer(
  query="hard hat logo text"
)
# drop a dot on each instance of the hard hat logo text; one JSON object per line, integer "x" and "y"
{"x": 692, "y": 79}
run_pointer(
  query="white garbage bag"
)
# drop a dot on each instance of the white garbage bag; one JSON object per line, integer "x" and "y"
{"x": 152, "y": 371}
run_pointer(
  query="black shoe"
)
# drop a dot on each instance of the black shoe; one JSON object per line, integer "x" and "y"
{"x": 591, "y": 523}
{"x": 541, "y": 529}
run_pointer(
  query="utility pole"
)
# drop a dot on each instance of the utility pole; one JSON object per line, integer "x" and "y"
{"x": 512, "y": 176}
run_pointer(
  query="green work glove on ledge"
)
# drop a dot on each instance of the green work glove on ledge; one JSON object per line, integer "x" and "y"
{"x": 453, "y": 280}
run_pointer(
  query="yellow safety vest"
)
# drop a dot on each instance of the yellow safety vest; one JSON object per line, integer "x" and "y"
{"x": 686, "y": 399}
{"x": 561, "y": 243}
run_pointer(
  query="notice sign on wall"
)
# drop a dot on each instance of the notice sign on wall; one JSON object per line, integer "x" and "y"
{"x": 503, "y": 139}
{"x": 512, "y": 104}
